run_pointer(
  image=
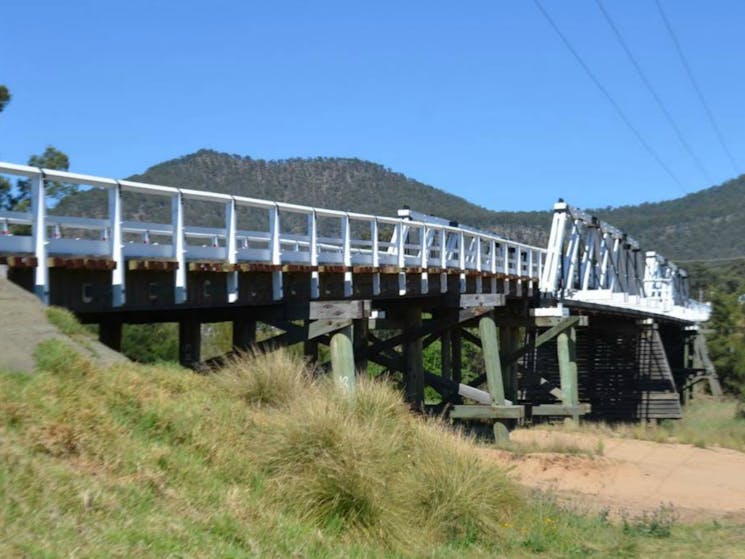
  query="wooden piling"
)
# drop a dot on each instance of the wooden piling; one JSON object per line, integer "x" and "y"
{"x": 110, "y": 334}
{"x": 566, "y": 350}
{"x": 446, "y": 354}
{"x": 342, "y": 357}
{"x": 244, "y": 334}
{"x": 509, "y": 342}
{"x": 189, "y": 342}
{"x": 489, "y": 335}
{"x": 414, "y": 367}
{"x": 360, "y": 328}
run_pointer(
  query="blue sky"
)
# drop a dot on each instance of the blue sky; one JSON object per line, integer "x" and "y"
{"x": 477, "y": 98}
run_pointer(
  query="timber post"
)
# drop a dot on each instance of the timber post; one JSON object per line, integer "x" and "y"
{"x": 456, "y": 353}
{"x": 509, "y": 338}
{"x": 489, "y": 334}
{"x": 342, "y": 357}
{"x": 310, "y": 351}
{"x": 413, "y": 359}
{"x": 244, "y": 334}
{"x": 110, "y": 334}
{"x": 189, "y": 342}
{"x": 446, "y": 354}
{"x": 566, "y": 350}
{"x": 360, "y": 327}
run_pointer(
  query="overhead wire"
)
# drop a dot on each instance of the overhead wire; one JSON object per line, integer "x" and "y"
{"x": 694, "y": 84}
{"x": 645, "y": 80}
{"x": 619, "y": 111}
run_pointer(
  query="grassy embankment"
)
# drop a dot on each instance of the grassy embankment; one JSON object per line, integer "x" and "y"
{"x": 262, "y": 460}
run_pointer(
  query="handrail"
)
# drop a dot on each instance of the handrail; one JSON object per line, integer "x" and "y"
{"x": 413, "y": 242}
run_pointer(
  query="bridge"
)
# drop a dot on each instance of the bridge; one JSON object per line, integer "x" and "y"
{"x": 589, "y": 325}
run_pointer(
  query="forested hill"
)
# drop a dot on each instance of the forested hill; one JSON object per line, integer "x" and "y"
{"x": 706, "y": 225}
{"x": 337, "y": 183}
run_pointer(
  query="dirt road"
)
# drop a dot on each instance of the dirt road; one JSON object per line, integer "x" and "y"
{"x": 626, "y": 475}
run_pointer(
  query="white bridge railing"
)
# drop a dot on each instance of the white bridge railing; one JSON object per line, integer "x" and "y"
{"x": 429, "y": 245}
{"x": 590, "y": 261}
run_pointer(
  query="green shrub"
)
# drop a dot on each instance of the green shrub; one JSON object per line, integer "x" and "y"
{"x": 657, "y": 523}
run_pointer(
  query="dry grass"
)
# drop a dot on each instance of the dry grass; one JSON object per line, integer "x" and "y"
{"x": 706, "y": 422}
{"x": 260, "y": 460}
{"x": 271, "y": 379}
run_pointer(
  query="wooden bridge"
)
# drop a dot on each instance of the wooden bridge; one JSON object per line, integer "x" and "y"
{"x": 590, "y": 324}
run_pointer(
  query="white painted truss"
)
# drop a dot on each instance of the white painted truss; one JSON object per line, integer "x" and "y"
{"x": 591, "y": 262}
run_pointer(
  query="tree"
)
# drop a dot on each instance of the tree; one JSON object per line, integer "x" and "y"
{"x": 4, "y": 183}
{"x": 4, "y": 97}
{"x": 20, "y": 198}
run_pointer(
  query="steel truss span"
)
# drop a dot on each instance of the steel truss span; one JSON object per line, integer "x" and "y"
{"x": 590, "y": 263}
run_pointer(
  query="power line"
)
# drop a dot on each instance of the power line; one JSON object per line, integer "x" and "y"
{"x": 695, "y": 85}
{"x": 653, "y": 92}
{"x": 608, "y": 96}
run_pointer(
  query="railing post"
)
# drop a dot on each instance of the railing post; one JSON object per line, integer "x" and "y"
{"x": 519, "y": 270}
{"x": 39, "y": 236}
{"x": 313, "y": 254}
{"x": 506, "y": 267}
{"x": 375, "y": 256}
{"x": 275, "y": 253}
{"x": 118, "y": 291}
{"x": 539, "y": 268}
{"x": 493, "y": 264}
{"x": 424, "y": 259}
{"x": 401, "y": 253}
{"x": 179, "y": 250}
{"x": 462, "y": 260}
{"x": 231, "y": 249}
{"x": 479, "y": 266}
{"x": 443, "y": 261}
{"x": 346, "y": 255}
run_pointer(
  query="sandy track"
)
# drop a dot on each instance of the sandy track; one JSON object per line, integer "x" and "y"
{"x": 633, "y": 476}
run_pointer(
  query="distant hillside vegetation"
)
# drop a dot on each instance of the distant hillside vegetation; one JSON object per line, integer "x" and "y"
{"x": 704, "y": 225}
{"x": 324, "y": 182}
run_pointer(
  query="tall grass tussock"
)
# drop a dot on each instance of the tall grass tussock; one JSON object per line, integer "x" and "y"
{"x": 260, "y": 459}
